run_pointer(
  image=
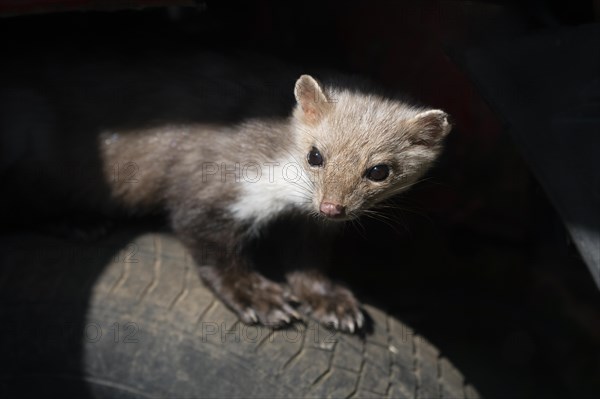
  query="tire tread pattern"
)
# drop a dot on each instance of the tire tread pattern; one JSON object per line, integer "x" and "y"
{"x": 187, "y": 344}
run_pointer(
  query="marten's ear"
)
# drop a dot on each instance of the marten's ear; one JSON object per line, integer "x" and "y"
{"x": 312, "y": 100}
{"x": 429, "y": 127}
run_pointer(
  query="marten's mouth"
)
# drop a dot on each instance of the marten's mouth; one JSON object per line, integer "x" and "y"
{"x": 339, "y": 218}
{"x": 336, "y": 218}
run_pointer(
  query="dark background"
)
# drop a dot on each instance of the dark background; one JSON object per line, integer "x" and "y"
{"x": 475, "y": 258}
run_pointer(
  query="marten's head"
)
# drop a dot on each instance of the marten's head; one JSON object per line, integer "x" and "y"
{"x": 359, "y": 149}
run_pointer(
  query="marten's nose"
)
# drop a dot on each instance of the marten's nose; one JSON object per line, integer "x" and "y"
{"x": 332, "y": 210}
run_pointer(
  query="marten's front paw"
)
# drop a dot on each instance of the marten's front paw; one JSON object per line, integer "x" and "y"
{"x": 258, "y": 300}
{"x": 337, "y": 308}
{"x": 327, "y": 302}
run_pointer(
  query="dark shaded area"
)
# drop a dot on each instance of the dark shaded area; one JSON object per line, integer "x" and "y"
{"x": 46, "y": 287}
{"x": 478, "y": 245}
{"x": 557, "y": 134}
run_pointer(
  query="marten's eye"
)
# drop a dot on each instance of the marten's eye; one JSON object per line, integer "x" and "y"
{"x": 315, "y": 158}
{"x": 378, "y": 173}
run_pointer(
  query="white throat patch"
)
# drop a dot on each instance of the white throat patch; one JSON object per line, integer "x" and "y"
{"x": 268, "y": 189}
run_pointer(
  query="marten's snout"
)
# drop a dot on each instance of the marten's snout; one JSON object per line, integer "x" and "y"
{"x": 332, "y": 210}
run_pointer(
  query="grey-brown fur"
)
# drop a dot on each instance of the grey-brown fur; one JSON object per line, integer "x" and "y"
{"x": 153, "y": 156}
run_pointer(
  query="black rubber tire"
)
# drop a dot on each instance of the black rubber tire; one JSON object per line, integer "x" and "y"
{"x": 127, "y": 317}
